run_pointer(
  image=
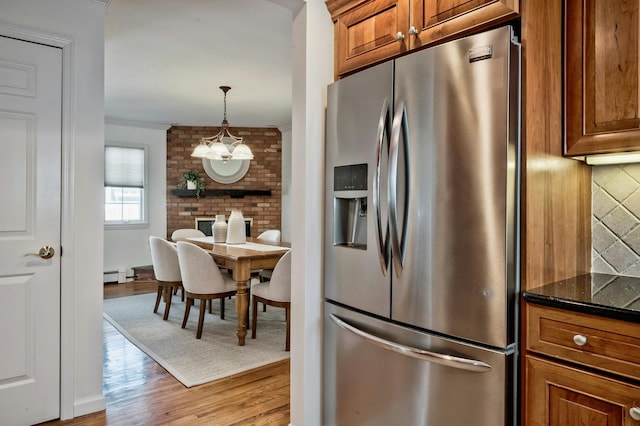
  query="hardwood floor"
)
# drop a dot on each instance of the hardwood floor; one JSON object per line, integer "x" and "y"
{"x": 140, "y": 392}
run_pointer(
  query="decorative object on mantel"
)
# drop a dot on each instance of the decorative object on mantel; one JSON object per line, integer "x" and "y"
{"x": 191, "y": 180}
{"x": 219, "y": 229}
{"x": 236, "y": 231}
{"x": 223, "y": 146}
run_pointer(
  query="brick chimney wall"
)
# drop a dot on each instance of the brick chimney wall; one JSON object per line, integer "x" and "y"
{"x": 264, "y": 173}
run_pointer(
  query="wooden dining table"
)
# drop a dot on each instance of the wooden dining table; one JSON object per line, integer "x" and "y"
{"x": 242, "y": 259}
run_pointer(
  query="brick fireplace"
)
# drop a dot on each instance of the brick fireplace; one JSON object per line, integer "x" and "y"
{"x": 264, "y": 174}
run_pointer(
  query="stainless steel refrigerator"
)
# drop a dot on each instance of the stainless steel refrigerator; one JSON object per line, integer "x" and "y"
{"x": 421, "y": 270}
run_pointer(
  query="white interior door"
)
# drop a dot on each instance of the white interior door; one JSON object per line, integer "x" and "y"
{"x": 30, "y": 182}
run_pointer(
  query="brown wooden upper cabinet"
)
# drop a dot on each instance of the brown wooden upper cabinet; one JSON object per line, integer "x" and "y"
{"x": 370, "y": 31}
{"x": 601, "y": 76}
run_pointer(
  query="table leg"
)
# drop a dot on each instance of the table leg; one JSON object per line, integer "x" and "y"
{"x": 242, "y": 276}
{"x": 242, "y": 307}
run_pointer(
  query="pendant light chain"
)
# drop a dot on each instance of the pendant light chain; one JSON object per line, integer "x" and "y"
{"x": 225, "y": 89}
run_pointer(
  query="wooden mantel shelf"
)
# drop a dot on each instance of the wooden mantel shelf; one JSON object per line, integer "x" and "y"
{"x": 233, "y": 193}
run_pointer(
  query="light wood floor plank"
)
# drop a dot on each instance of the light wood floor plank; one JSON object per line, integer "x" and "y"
{"x": 140, "y": 392}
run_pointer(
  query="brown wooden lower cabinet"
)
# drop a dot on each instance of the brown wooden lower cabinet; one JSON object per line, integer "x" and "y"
{"x": 560, "y": 395}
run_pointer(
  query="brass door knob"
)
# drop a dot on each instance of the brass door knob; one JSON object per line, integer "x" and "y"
{"x": 46, "y": 252}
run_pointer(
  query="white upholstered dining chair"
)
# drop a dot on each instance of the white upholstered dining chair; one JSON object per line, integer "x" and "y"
{"x": 184, "y": 233}
{"x": 276, "y": 292}
{"x": 202, "y": 280}
{"x": 166, "y": 269}
{"x": 274, "y": 236}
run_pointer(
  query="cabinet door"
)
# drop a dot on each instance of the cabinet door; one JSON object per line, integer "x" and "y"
{"x": 369, "y": 33}
{"x": 557, "y": 395}
{"x": 601, "y": 76}
{"x": 439, "y": 20}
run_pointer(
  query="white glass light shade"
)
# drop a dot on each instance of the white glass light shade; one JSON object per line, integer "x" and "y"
{"x": 218, "y": 151}
{"x": 242, "y": 152}
{"x": 201, "y": 150}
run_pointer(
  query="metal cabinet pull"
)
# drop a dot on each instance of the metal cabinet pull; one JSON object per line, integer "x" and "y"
{"x": 634, "y": 412}
{"x": 421, "y": 354}
{"x": 413, "y": 30}
{"x": 580, "y": 340}
{"x": 399, "y": 35}
{"x": 46, "y": 252}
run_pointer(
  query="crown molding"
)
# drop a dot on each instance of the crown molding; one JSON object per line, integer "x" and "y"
{"x": 132, "y": 123}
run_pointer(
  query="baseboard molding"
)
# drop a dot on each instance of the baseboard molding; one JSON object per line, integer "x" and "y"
{"x": 89, "y": 405}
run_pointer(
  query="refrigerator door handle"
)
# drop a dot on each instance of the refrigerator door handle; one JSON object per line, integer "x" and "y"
{"x": 399, "y": 124}
{"x": 383, "y": 124}
{"x": 421, "y": 354}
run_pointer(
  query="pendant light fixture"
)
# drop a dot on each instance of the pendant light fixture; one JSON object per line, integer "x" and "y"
{"x": 224, "y": 146}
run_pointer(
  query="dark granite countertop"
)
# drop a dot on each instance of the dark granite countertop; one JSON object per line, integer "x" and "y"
{"x": 611, "y": 296}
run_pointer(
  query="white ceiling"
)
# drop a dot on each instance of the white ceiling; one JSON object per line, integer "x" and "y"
{"x": 165, "y": 61}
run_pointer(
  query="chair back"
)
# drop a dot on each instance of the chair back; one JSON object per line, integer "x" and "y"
{"x": 199, "y": 271}
{"x": 271, "y": 235}
{"x": 165, "y": 260}
{"x": 280, "y": 283}
{"x": 183, "y": 234}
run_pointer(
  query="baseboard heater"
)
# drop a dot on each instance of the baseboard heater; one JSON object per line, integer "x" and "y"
{"x": 118, "y": 276}
{"x": 110, "y": 277}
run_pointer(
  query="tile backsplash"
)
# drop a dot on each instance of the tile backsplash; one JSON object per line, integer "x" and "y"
{"x": 615, "y": 219}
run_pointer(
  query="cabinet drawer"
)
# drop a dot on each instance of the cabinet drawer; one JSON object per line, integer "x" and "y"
{"x": 606, "y": 344}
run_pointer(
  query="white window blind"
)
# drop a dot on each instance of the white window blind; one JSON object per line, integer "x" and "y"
{"x": 124, "y": 167}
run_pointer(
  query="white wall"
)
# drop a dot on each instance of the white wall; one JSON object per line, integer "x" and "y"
{"x": 286, "y": 183}
{"x": 312, "y": 71}
{"x": 126, "y": 248}
{"x": 76, "y": 26}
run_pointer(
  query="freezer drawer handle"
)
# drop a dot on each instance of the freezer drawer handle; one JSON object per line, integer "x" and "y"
{"x": 443, "y": 359}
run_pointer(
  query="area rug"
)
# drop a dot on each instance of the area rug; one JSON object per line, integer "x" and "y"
{"x": 192, "y": 361}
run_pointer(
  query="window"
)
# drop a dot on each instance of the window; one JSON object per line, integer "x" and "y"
{"x": 124, "y": 185}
